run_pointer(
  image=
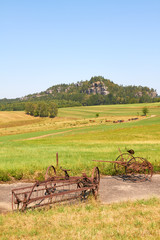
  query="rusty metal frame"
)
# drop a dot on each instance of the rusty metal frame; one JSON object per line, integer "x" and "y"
{"x": 132, "y": 168}
{"x": 56, "y": 189}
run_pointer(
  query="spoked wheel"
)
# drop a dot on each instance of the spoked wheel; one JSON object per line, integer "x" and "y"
{"x": 122, "y": 158}
{"x": 81, "y": 184}
{"x": 95, "y": 176}
{"x": 49, "y": 185}
{"x": 95, "y": 180}
{"x": 139, "y": 169}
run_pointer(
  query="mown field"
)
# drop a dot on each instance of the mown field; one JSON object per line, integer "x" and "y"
{"x": 29, "y": 145}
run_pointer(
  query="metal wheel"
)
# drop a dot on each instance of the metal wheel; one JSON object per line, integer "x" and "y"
{"x": 95, "y": 175}
{"x": 49, "y": 186}
{"x": 124, "y": 157}
{"x": 50, "y": 173}
{"x": 96, "y": 180}
{"x": 84, "y": 193}
{"x": 139, "y": 168}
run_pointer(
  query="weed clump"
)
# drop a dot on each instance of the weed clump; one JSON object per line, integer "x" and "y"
{"x": 39, "y": 177}
{"x": 17, "y": 175}
{"x": 4, "y": 176}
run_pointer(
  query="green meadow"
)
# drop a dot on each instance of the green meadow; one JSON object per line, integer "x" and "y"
{"x": 27, "y": 149}
{"x": 108, "y": 110}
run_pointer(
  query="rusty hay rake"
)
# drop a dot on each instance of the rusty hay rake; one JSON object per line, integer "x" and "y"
{"x": 56, "y": 189}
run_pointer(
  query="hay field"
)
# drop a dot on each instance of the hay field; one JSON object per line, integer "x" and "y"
{"x": 18, "y": 122}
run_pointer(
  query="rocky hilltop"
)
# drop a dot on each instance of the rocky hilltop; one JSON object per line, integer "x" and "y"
{"x": 95, "y": 91}
{"x": 96, "y": 86}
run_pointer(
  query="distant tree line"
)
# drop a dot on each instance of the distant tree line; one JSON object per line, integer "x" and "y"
{"x": 98, "y": 99}
{"x": 87, "y": 100}
{"x": 12, "y": 106}
{"x": 41, "y": 109}
{"x": 20, "y": 106}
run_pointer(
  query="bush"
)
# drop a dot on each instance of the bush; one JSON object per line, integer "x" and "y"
{"x": 42, "y": 109}
{"x": 145, "y": 111}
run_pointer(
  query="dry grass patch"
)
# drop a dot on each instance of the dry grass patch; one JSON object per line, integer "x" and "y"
{"x": 18, "y": 122}
{"x": 10, "y": 116}
{"x": 131, "y": 220}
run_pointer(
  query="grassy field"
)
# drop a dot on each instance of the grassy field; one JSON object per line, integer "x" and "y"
{"x": 122, "y": 221}
{"x": 28, "y": 145}
{"x": 108, "y": 110}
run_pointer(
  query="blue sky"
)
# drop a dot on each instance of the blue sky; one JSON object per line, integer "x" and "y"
{"x": 44, "y": 43}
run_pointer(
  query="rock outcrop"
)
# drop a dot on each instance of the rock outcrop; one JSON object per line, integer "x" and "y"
{"x": 98, "y": 88}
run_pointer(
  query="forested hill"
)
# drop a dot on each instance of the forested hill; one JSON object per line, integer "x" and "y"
{"x": 95, "y": 91}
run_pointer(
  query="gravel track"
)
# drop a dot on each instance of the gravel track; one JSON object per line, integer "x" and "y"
{"x": 112, "y": 189}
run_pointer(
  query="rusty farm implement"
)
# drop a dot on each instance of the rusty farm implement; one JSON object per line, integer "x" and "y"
{"x": 132, "y": 168}
{"x": 56, "y": 189}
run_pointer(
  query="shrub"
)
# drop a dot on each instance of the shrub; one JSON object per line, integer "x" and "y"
{"x": 145, "y": 111}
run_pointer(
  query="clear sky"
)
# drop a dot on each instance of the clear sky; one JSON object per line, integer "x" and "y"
{"x": 48, "y": 42}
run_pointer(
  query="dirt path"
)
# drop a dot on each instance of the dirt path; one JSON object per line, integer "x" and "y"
{"x": 47, "y": 135}
{"x": 57, "y": 133}
{"x": 112, "y": 189}
{"x": 115, "y": 189}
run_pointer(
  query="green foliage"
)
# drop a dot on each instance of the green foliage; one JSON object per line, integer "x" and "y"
{"x": 53, "y": 110}
{"x": 12, "y": 105}
{"x": 30, "y": 108}
{"x": 41, "y": 109}
{"x": 145, "y": 111}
